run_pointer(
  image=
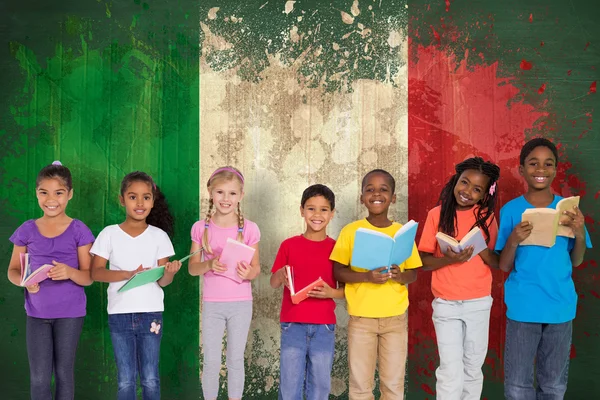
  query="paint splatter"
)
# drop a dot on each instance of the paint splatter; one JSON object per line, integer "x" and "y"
{"x": 569, "y": 72}
{"x": 427, "y": 389}
{"x": 435, "y": 34}
{"x": 542, "y": 43}
{"x": 447, "y": 5}
{"x": 526, "y": 65}
{"x": 530, "y": 17}
{"x": 542, "y": 88}
{"x": 586, "y": 46}
{"x": 593, "y": 87}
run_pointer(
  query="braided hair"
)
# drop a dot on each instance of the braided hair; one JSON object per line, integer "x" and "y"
{"x": 485, "y": 212}
{"x": 159, "y": 216}
{"x": 227, "y": 173}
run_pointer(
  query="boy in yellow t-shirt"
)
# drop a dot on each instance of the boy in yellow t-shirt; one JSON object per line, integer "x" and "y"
{"x": 377, "y": 300}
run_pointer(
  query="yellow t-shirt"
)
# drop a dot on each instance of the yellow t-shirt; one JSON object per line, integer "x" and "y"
{"x": 368, "y": 299}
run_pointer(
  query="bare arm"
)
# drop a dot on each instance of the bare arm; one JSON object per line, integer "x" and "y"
{"x": 490, "y": 257}
{"x": 14, "y": 266}
{"x": 101, "y": 274}
{"x": 343, "y": 273}
{"x": 278, "y": 278}
{"x": 507, "y": 256}
{"x": 576, "y": 222}
{"x": 171, "y": 268}
{"x": 251, "y": 271}
{"x": 403, "y": 277}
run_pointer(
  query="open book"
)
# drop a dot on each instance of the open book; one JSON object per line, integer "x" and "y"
{"x": 545, "y": 222}
{"x": 298, "y": 296}
{"x": 473, "y": 238}
{"x": 148, "y": 276}
{"x": 234, "y": 253}
{"x": 373, "y": 249}
{"x": 29, "y": 278}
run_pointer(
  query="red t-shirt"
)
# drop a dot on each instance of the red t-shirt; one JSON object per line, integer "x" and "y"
{"x": 309, "y": 261}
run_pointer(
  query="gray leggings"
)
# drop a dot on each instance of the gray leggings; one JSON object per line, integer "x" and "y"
{"x": 216, "y": 316}
{"x": 51, "y": 345}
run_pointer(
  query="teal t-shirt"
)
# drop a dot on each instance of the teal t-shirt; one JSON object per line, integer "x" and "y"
{"x": 540, "y": 288}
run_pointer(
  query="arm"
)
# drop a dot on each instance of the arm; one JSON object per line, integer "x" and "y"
{"x": 171, "y": 268}
{"x": 327, "y": 292}
{"x": 490, "y": 257}
{"x": 576, "y": 222}
{"x": 14, "y": 266}
{"x": 432, "y": 263}
{"x": 196, "y": 267}
{"x": 278, "y": 278}
{"x": 343, "y": 273}
{"x": 81, "y": 276}
{"x": 101, "y": 274}
{"x": 403, "y": 277}
{"x": 252, "y": 271}
{"x": 507, "y": 256}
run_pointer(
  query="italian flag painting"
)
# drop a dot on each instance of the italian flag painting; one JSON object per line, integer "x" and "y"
{"x": 292, "y": 93}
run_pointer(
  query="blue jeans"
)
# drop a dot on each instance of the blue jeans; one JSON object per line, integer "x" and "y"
{"x": 136, "y": 343}
{"x": 51, "y": 344}
{"x": 305, "y": 361}
{"x": 550, "y": 346}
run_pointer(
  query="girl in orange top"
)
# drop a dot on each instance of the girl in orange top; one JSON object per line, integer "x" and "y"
{"x": 462, "y": 285}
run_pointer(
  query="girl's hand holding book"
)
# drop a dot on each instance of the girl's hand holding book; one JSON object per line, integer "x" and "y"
{"x": 458, "y": 258}
{"x": 576, "y": 222}
{"x": 33, "y": 288}
{"x": 60, "y": 272}
{"x": 172, "y": 267}
{"x": 243, "y": 270}
{"x": 135, "y": 271}
{"x": 217, "y": 266}
{"x": 379, "y": 275}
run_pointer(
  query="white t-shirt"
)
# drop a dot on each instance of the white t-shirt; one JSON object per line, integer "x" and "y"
{"x": 126, "y": 253}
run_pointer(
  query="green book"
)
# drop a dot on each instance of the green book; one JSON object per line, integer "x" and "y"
{"x": 143, "y": 278}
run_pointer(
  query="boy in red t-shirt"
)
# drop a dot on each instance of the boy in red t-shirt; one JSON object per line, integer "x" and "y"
{"x": 308, "y": 328}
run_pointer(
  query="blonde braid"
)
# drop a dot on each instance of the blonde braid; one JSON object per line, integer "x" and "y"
{"x": 205, "y": 244}
{"x": 240, "y": 236}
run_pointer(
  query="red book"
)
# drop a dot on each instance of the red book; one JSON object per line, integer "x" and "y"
{"x": 298, "y": 296}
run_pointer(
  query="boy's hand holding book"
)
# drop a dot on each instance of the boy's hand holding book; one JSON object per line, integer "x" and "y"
{"x": 322, "y": 292}
{"x": 282, "y": 276}
{"x": 520, "y": 233}
{"x": 379, "y": 275}
{"x": 575, "y": 221}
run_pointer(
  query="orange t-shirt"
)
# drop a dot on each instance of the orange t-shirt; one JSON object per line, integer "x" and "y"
{"x": 469, "y": 280}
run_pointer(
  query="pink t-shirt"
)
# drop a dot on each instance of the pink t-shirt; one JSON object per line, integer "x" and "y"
{"x": 217, "y": 287}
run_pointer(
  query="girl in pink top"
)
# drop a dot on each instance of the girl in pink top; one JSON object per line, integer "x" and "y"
{"x": 226, "y": 295}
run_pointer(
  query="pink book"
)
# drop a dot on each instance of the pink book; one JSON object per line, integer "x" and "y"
{"x": 29, "y": 278}
{"x": 302, "y": 294}
{"x": 234, "y": 253}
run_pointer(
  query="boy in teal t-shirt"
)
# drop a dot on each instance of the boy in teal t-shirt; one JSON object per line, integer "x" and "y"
{"x": 539, "y": 293}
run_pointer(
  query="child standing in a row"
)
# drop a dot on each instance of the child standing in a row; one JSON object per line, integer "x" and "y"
{"x": 225, "y": 303}
{"x": 55, "y": 307}
{"x": 462, "y": 285}
{"x": 377, "y": 300}
{"x": 539, "y": 293}
{"x": 308, "y": 328}
{"x": 135, "y": 316}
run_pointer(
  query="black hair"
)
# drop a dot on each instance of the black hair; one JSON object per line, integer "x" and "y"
{"x": 537, "y": 142}
{"x": 318, "y": 190}
{"x": 159, "y": 216}
{"x": 387, "y": 175}
{"x": 55, "y": 171}
{"x": 483, "y": 219}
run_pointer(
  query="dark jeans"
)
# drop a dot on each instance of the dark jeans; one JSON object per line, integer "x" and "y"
{"x": 550, "y": 346}
{"x": 136, "y": 343}
{"x": 51, "y": 345}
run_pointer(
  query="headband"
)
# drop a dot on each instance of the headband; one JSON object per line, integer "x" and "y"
{"x": 228, "y": 169}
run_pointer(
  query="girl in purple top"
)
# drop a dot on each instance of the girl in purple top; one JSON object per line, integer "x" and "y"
{"x": 56, "y": 306}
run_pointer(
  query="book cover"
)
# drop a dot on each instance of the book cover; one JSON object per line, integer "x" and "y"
{"x": 143, "y": 278}
{"x": 29, "y": 278}
{"x": 301, "y": 295}
{"x": 473, "y": 238}
{"x": 545, "y": 222}
{"x": 234, "y": 253}
{"x": 373, "y": 249}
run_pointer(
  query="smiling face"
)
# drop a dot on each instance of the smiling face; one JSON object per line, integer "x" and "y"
{"x": 53, "y": 196}
{"x": 317, "y": 213}
{"x": 137, "y": 200}
{"x": 539, "y": 168}
{"x": 470, "y": 188}
{"x": 226, "y": 195}
{"x": 377, "y": 194}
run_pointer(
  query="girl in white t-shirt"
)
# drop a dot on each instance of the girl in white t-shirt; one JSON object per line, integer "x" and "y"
{"x": 139, "y": 243}
{"x": 226, "y": 295}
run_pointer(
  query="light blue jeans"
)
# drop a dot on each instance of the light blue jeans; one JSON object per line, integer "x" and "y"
{"x": 136, "y": 343}
{"x": 306, "y": 360}
{"x": 550, "y": 346}
{"x": 462, "y": 330}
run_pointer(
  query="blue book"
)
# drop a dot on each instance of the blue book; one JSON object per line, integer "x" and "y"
{"x": 373, "y": 249}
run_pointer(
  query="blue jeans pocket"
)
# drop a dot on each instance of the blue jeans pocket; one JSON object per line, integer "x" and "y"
{"x": 330, "y": 327}
{"x": 285, "y": 326}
